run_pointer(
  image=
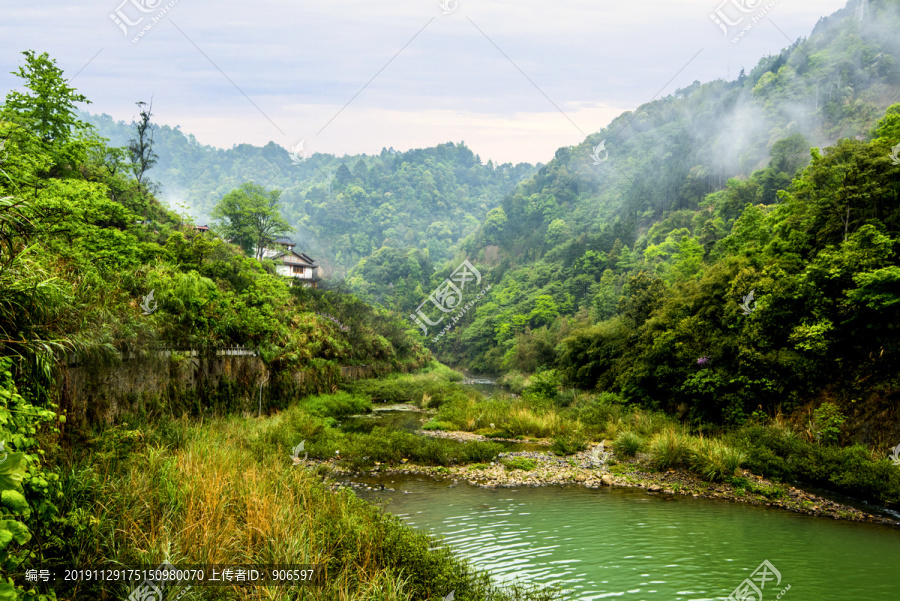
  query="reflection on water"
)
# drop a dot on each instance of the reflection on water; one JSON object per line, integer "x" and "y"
{"x": 606, "y": 543}
{"x": 407, "y": 421}
{"x": 486, "y": 385}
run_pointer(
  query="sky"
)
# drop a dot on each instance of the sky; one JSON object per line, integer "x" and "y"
{"x": 513, "y": 80}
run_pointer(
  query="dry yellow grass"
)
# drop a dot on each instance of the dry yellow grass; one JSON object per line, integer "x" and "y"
{"x": 212, "y": 502}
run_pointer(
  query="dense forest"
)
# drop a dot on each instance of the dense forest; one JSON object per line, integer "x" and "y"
{"x": 342, "y": 208}
{"x": 629, "y": 275}
{"x": 397, "y": 223}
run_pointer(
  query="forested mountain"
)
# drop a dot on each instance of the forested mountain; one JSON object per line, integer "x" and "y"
{"x": 628, "y": 272}
{"x": 623, "y": 263}
{"x": 343, "y": 208}
{"x": 625, "y": 187}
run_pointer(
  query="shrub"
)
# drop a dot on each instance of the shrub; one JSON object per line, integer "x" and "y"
{"x": 568, "y": 445}
{"x": 670, "y": 449}
{"x": 779, "y": 453}
{"x": 544, "y": 385}
{"x": 479, "y": 451}
{"x": 599, "y": 412}
{"x": 436, "y": 425}
{"x": 715, "y": 460}
{"x": 520, "y": 463}
{"x": 628, "y": 444}
{"x": 828, "y": 420}
{"x": 513, "y": 380}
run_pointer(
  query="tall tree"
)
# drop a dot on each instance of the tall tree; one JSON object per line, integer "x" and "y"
{"x": 251, "y": 217}
{"x": 140, "y": 148}
{"x": 50, "y": 109}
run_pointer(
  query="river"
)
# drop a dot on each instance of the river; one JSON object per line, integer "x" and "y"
{"x": 606, "y": 543}
{"x": 620, "y": 542}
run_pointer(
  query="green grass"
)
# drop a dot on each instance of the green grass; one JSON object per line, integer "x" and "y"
{"x": 493, "y": 433}
{"x": 439, "y": 369}
{"x": 714, "y": 460}
{"x": 432, "y": 387}
{"x": 568, "y": 445}
{"x": 627, "y": 444}
{"x": 670, "y": 449}
{"x": 519, "y": 463}
{"x": 514, "y": 417}
{"x": 437, "y": 425}
{"x": 768, "y": 491}
{"x": 225, "y": 491}
{"x": 338, "y": 404}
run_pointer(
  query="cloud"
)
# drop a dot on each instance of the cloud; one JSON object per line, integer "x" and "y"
{"x": 490, "y": 73}
{"x": 516, "y": 136}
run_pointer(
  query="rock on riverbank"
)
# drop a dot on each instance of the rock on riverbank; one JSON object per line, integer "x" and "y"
{"x": 594, "y": 469}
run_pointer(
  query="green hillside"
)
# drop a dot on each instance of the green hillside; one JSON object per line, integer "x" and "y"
{"x": 628, "y": 275}
{"x": 343, "y": 208}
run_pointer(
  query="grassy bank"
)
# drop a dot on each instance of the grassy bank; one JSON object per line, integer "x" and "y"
{"x": 766, "y": 446}
{"x": 225, "y": 492}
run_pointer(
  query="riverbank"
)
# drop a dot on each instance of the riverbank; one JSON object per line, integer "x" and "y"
{"x": 595, "y": 469}
{"x": 225, "y": 491}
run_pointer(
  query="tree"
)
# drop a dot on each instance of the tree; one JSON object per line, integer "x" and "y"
{"x": 50, "y": 110}
{"x": 790, "y": 155}
{"x": 140, "y": 149}
{"x": 251, "y": 217}
{"x": 343, "y": 176}
{"x": 494, "y": 225}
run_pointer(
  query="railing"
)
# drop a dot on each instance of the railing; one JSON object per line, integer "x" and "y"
{"x": 225, "y": 351}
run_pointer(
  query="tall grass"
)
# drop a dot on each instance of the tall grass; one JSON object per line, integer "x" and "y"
{"x": 670, "y": 449}
{"x": 227, "y": 494}
{"x": 361, "y": 449}
{"x": 338, "y": 404}
{"x": 714, "y": 460}
{"x": 439, "y": 385}
{"x": 627, "y": 444}
{"x": 514, "y": 416}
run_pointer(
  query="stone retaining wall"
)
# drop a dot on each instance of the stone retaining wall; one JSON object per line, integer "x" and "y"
{"x": 192, "y": 383}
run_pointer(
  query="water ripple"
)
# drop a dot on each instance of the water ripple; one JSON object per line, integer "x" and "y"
{"x": 615, "y": 543}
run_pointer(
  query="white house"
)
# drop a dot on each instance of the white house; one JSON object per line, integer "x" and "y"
{"x": 292, "y": 264}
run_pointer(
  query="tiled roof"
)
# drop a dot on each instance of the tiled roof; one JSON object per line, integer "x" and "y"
{"x": 302, "y": 256}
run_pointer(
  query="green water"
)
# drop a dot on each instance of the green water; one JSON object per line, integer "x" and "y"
{"x": 624, "y": 543}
